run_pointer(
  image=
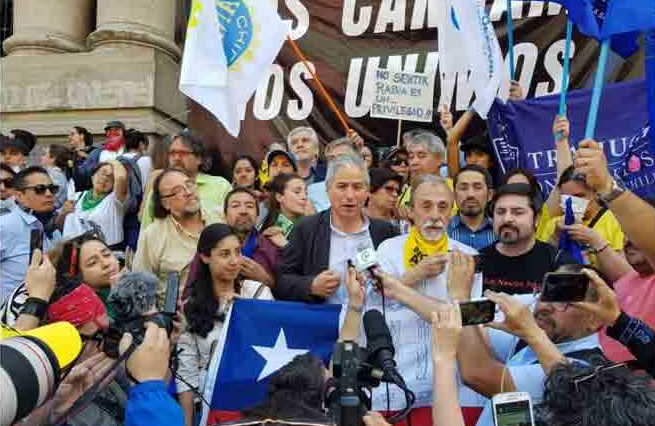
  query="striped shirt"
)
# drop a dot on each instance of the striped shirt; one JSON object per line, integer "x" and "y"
{"x": 479, "y": 239}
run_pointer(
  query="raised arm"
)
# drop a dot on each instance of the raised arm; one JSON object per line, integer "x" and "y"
{"x": 626, "y": 207}
{"x": 120, "y": 180}
{"x": 454, "y": 136}
{"x": 561, "y": 133}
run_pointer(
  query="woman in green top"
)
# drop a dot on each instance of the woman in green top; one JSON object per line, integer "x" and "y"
{"x": 288, "y": 202}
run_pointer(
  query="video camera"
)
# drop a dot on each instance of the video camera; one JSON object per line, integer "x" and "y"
{"x": 357, "y": 370}
{"x": 132, "y": 299}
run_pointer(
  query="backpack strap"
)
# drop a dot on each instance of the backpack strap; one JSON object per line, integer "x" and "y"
{"x": 596, "y": 218}
{"x": 260, "y": 289}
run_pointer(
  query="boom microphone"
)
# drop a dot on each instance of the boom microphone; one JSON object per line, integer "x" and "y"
{"x": 380, "y": 345}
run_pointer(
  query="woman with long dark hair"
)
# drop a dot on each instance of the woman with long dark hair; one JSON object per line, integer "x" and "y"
{"x": 213, "y": 287}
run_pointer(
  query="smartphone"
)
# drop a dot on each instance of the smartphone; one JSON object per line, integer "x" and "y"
{"x": 36, "y": 241}
{"x": 477, "y": 311}
{"x": 479, "y": 263}
{"x": 564, "y": 287}
{"x": 513, "y": 409}
{"x": 172, "y": 293}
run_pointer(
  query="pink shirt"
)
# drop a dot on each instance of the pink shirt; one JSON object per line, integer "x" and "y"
{"x": 637, "y": 298}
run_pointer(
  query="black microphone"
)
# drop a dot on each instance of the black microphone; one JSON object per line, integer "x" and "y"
{"x": 379, "y": 343}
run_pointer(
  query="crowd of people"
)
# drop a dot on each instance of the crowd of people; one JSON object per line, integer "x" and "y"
{"x": 447, "y": 227}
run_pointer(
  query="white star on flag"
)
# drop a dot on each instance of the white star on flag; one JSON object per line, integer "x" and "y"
{"x": 277, "y": 356}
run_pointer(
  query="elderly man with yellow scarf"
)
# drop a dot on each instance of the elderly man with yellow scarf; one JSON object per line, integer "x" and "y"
{"x": 421, "y": 259}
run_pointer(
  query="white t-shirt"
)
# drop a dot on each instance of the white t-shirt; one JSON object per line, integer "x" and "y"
{"x": 108, "y": 215}
{"x": 411, "y": 335}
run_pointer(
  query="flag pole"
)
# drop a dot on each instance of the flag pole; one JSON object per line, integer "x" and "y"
{"x": 597, "y": 90}
{"x": 398, "y": 137}
{"x": 510, "y": 39}
{"x": 565, "y": 73}
{"x": 649, "y": 38}
{"x": 319, "y": 86}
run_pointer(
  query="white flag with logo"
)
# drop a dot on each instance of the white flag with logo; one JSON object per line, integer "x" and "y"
{"x": 229, "y": 49}
{"x": 467, "y": 40}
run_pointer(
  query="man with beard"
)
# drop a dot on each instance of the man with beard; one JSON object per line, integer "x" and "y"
{"x": 187, "y": 152}
{"x": 241, "y": 211}
{"x": 517, "y": 353}
{"x": 517, "y": 263}
{"x": 421, "y": 260}
{"x": 473, "y": 187}
{"x": 170, "y": 242}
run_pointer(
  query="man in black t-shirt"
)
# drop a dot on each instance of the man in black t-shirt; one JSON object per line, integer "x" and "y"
{"x": 517, "y": 263}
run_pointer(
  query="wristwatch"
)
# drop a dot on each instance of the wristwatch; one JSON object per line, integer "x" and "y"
{"x": 615, "y": 192}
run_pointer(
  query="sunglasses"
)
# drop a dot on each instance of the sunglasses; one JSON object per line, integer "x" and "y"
{"x": 6, "y": 182}
{"x": 41, "y": 189}
{"x": 400, "y": 161}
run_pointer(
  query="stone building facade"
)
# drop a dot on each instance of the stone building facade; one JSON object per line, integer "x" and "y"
{"x": 84, "y": 62}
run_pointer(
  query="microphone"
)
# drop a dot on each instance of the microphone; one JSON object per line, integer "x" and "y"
{"x": 134, "y": 295}
{"x": 379, "y": 343}
{"x": 366, "y": 260}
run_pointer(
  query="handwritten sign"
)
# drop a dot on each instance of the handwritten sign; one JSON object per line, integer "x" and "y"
{"x": 403, "y": 96}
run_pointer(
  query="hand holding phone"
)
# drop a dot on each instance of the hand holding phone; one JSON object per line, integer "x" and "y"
{"x": 477, "y": 311}
{"x": 36, "y": 242}
{"x": 518, "y": 320}
{"x": 513, "y": 409}
{"x": 564, "y": 287}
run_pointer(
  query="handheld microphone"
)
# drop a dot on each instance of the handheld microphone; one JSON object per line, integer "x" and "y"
{"x": 366, "y": 261}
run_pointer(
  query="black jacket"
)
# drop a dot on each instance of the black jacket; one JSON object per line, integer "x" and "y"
{"x": 308, "y": 254}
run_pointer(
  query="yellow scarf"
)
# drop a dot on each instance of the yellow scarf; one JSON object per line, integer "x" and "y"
{"x": 418, "y": 248}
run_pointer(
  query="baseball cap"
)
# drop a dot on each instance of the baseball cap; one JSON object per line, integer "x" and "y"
{"x": 114, "y": 123}
{"x": 479, "y": 143}
{"x": 275, "y": 153}
{"x": 16, "y": 143}
{"x": 379, "y": 176}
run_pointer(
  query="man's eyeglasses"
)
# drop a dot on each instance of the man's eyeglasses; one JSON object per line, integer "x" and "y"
{"x": 189, "y": 187}
{"x": 41, "y": 189}
{"x": 582, "y": 378}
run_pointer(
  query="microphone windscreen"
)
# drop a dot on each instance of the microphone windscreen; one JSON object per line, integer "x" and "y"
{"x": 377, "y": 332}
{"x": 134, "y": 295}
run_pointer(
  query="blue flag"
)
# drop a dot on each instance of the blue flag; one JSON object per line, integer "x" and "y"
{"x": 601, "y": 19}
{"x": 259, "y": 338}
{"x": 566, "y": 243}
{"x": 522, "y": 134}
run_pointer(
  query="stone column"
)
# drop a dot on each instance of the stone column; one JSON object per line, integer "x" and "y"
{"x": 46, "y": 27}
{"x": 149, "y": 23}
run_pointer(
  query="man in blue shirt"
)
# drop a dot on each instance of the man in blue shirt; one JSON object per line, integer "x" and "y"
{"x": 35, "y": 200}
{"x": 472, "y": 226}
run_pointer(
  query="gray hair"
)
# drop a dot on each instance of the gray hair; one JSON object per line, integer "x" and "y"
{"x": 428, "y": 179}
{"x": 345, "y": 141}
{"x": 346, "y": 160}
{"x": 432, "y": 143}
{"x": 298, "y": 130}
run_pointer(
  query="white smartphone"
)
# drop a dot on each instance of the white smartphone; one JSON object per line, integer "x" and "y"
{"x": 513, "y": 409}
